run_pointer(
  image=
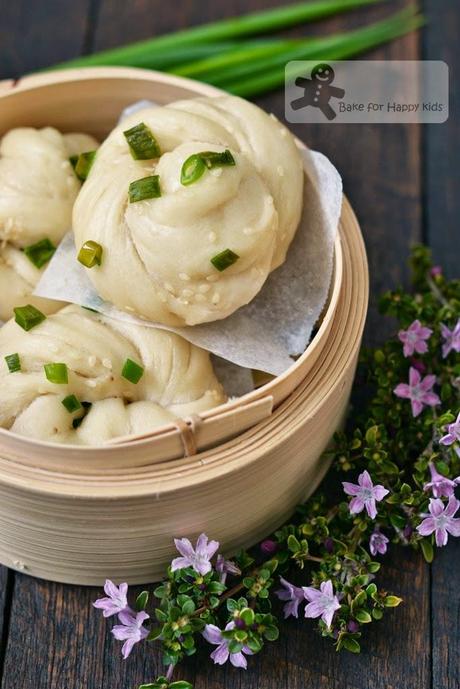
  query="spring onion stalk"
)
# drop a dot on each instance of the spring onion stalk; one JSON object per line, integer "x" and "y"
{"x": 144, "y": 188}
{"x": 57, "y": 373}
{"x": 132, "y": 371}
{"x": 82, "y": 164}
{"x": 142, "y": 143}
{"x": 13, "y": 362}
{"x": 90, "y": 254}
{"x": 217, "y": 159}
{"x": 71, "y": 403}
{"x": 266, "y": 77}
{"x": 40, "y": 253}
{"x": 28, "y": 316}
{"x": 255, "y": 23}
{"x": 224, "y": 260}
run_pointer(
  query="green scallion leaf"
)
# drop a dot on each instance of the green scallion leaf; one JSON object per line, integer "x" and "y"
{"x": 28, "y": 316}
{"x": 13, "y": 362}
{"x": 57, "y": 373}
{"x": 40, "y": 253}
{"x": 142, "y": 143}
{"x": 217, "y": 159}
{"x": 224, "y": 260}
{"x": 71, "y": 403}
{"x": 90, "y": 254}
{"x": 192, "y": 169}
{"x": 144, "y": 188}
{"x": 132, "y": 371}
{"x": 82, "y": 164}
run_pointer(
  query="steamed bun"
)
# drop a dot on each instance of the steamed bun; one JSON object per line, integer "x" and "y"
{"x": 157, "y": 252}
{"x": 177, "y": 380}
{"x": 37, "y": 190}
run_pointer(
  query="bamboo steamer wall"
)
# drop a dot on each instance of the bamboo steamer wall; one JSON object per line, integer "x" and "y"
{"x": 79, "y": 515}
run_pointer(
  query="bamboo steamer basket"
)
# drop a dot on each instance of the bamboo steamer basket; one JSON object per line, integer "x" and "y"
{"x": 79, "y": 515}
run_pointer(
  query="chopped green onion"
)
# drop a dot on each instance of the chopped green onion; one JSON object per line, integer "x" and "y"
{"x": 28, "y": 316}
{"x": 40, "y": 253}
{"x": 57, "y": 373}
{"x": 76, "y": 423}
{"x": 13, "y": 362}
{"x": 144, "y": 188}
{"x": 215, "y": 159}
{"x": 90, "y": 254}
{"x": 132, "y": 371}
{"x": 71, "y": 403}
{"x": 192, "y": 169}
{"x": 142, "y": 143}
{"x": 224, "y": 260}
{"x": 83, "y": 163}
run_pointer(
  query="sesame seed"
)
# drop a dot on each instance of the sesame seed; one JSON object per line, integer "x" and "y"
{"x": 187, "y": 293}
{"x": 107, "y": 363}
{"x": 200, "y": 298}
{"x": 92, "y": 360}
{"x": 90, "y": 383}
{"x": 168, "y": 287}
{"x": 216, "y": 172}
{"x": 183, "y": 301}
{"x": 212, "y": 236}
{"x": 212, "y": 278}
{"x": 283, "y": 132}
{"x": 215, "y": 298}
{"x": 184, "y": 277}
{"x": 204, "y": 288}
{"x": 280, "y": 170}
{"x": 248, "y": 230}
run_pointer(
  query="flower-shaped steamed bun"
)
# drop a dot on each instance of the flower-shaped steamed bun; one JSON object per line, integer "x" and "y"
{"x": 37, "y": 190}
{"x": 104, "y": 397}
{"x": 157, "y": 252}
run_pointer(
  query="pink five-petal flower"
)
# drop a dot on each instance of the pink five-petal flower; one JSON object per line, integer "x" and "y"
{"x": 220, "y": 656}
{"x": 199, "y": 557}
{"x": 323, "y": 603}
{"x": 441, "y": 520}
{"x": 294, "y": 595}
{"x": 453, "y": 434}
{"x": 116, "y": 600}
{"x": 131, "y": 630}
{"x": 418, "y": 391}
{"x": 365, "y": 494}
{"x": 414, "y": 338}
{"x": 440, "y": 485}
{"x": 451, "y": 339}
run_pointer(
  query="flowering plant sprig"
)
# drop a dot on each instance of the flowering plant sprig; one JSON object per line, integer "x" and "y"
{"x": 399, "y": 466}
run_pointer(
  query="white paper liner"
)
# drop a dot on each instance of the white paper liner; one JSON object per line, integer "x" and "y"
{"x": 278, "y": 323}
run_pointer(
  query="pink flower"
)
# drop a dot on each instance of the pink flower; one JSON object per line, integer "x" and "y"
{"x": 414, "y": 338}
{"x": 453, "y": 434}
{"x": 451, "y": 339}
{"x": 199, "y": 557}
{"x": 220, "y": 656}
{"x": 225, "y": 567}
{"x": 365, "y": 494}
{"x": 439, "y": 484}
{"x": 436, "y": 271}
{"x": 441, "y": 520}
{"x": 294, "y": 595}
{"x": 418, "y": 391}
{"x": 378, "y": 543}
{"x": 116, "y": 600}
{"x": 323, "y": 603}
{"x": 131, "y": 630}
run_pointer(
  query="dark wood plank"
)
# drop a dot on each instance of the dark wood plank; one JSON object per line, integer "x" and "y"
{"x": 37, "y": 34}
{"x": 442, "y": 173}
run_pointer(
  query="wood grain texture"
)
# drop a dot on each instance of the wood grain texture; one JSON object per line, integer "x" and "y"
{"x": 56, "y": 639}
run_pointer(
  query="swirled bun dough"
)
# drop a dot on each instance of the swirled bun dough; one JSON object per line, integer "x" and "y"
{"x": 177, "y": 380}
{"x": 38, "y": 188}
{"x": 157, "y": 252}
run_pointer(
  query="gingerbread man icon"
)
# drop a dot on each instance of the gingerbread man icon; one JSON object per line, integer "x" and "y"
{"x": 318, "y": 90}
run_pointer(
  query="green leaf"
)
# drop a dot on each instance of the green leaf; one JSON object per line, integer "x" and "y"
{"x": 427, "y": 550}
{"x": 161, "y": 615}
{"x": 234, "y": 646}
{"x": 398, "y": 521}
{"x": 373, "y": 567}
{"x": 216, "y": 587}
{"x": 359, "y": 600}
{"x": 142, "y": 600}
{"x": 351, "y": 645}
{"x": 271, "y": 633}
{"x": 247, "y": 615}
{"x": 371, "y": 589}
{"x": 188, "y": 607}
{"x": 181, "y": 684}
{"x": 254, "y": 644}
{"x": 363, "y": 617}
{"x": 377, "y": 613}
{"x": 154, "y": 633}
{"x": 293, "y": 544}
{"x": 240, "y": 635}
{"x": 232, "y": 605}
{"x": 392, "y": 601}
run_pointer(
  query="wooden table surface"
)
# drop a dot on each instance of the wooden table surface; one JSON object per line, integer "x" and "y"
{"x": 403, "y": 181}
